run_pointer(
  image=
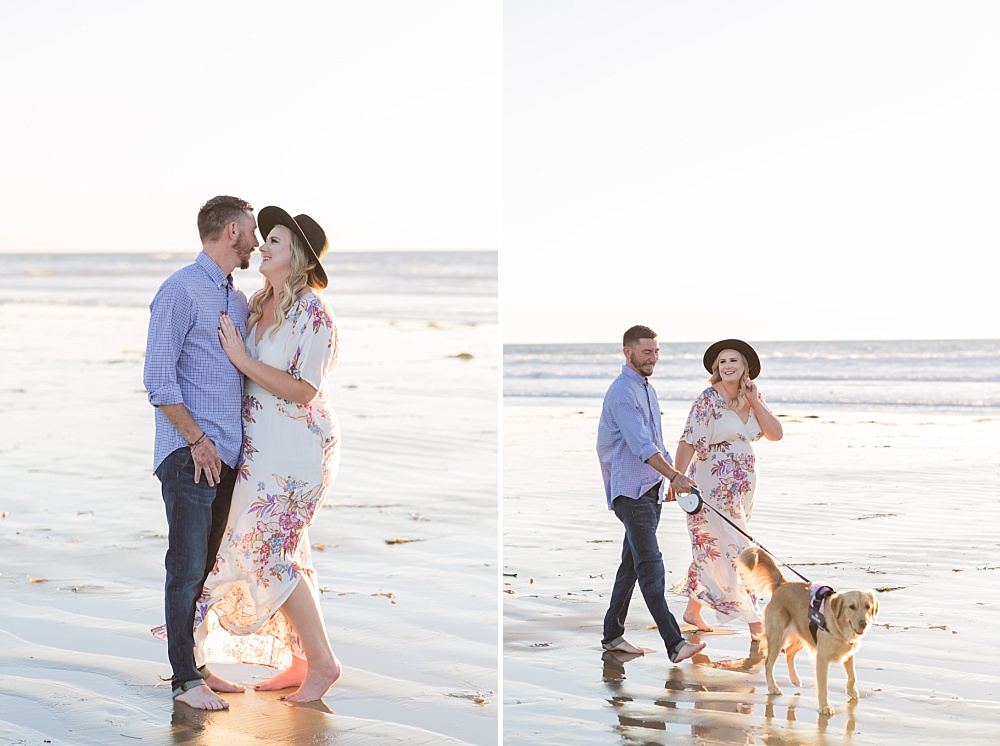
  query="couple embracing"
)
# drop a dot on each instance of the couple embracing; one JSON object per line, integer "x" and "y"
{"x": 247, "y": 447}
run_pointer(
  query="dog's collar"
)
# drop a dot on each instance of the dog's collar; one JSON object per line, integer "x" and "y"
{"x": 817, "y": 607}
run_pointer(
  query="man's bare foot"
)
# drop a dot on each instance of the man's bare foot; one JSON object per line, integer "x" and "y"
{"x": 219, "y": 684}
{"x": 626, "y": 647}
{"x": 697, "y": 621}
{"x": 320, "y": 677}
{"x": 202, "y": 698}
{"x": 687, "y": 650}
{"x": 294, "y": 675}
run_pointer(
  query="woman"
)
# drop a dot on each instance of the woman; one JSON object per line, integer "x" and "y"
{"x": 724, "y": 420}
{"x": 261, "y": 602}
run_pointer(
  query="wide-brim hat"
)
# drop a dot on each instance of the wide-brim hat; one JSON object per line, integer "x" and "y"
{"x": 753, "y": 362}
{"x": 307, "y": 229}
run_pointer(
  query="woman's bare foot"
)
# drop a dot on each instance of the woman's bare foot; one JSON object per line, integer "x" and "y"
{"x": 320, "y": 677}
{"x": 686, "y": 651}
{"x": 294, "y": 675}
{"x": 696, "y": 620}
{"x": 202, "y": 698}
{"x": 756, "y": 630}
{"x": 626, "y": 647}
{"x": 219, "y": 684}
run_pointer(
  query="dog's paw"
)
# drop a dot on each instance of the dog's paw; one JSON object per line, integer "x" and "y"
{"x": 827, "y": 710}
{"x": 773, "y": 689}
{"x": 795, "y": 680}
{"x": 852, "y": 693}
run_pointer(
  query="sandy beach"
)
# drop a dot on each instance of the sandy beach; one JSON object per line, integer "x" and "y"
{"x": 901, "y": 501}
{"x": 82, "y": 534}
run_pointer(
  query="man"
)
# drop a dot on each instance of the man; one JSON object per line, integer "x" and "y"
{"x": 199, "y": 429}
{"x": 634, "y": 464}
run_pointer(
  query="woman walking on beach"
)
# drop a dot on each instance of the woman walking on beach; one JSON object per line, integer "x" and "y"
{"x": 261, "y": 602}
{"x": 716, "y": 444}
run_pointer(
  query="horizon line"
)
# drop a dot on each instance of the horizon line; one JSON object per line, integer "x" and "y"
{"x": 767, "y": 341}
{"x": 195, "y": 249}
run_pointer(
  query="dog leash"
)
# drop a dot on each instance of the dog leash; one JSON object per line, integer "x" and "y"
{"x": 819, "y": 594}
{"x": 693, "y": 506}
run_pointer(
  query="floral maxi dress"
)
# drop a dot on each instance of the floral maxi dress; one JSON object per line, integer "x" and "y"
{"x": 290, "y": 458}
{"x": 725, "y": 468}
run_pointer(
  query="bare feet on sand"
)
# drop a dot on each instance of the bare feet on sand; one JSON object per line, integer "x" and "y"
{"x": 319, "y": 678}
{"x": 697, "y": 621}
{"x": 294, "y": 675}
{"x": 687, "y": 650}
{"x": 626, "y": 647}
{"x": 219, "y": 684}
{"x": 202, "y": 698}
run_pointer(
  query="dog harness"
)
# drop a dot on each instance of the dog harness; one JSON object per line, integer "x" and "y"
{"x": 817, "y": 607}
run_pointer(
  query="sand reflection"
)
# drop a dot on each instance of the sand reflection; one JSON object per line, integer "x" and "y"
{"x": 708, "y": 704}
{"x": 252, "y": 716}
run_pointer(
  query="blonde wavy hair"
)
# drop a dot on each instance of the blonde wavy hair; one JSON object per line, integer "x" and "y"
{"x": 740, "y": 401}
{"x": 298, "y": 280}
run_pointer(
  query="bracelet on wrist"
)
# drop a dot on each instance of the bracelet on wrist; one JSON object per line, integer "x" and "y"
{"x": 199, "y": 441}
{"x": 676, "y": 474}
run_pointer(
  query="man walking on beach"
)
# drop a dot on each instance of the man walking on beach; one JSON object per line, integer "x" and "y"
{"x": 634, "y": 464}
{"x": 198, "y": 397}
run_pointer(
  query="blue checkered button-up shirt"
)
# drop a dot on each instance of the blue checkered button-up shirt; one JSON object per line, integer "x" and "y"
{"x": 629, "y": 433}
{"x": 185, "y": 363}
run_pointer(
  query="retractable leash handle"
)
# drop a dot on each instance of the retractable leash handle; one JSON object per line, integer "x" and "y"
{"x": 692, "y": 504}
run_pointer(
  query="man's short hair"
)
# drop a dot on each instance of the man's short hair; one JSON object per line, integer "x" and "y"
{"x": 217, "y": 213}
{"x": 636, "y": 333}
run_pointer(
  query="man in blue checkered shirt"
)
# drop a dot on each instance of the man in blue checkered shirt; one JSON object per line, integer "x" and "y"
{"x": 198, "y": 395}
{"x": 635, "y": 463}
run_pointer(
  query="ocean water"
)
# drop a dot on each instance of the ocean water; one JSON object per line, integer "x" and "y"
{"x": 444, "y": 285}
{"x": 943, "y": 375}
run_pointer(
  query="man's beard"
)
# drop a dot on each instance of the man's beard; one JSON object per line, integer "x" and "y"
{"x": 639, "y": 368}
{"x": 244, "y": 252}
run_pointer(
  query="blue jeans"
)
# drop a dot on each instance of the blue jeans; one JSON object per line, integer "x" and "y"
{"x": 196, "y": 518}
{"x": 642, "y": 563}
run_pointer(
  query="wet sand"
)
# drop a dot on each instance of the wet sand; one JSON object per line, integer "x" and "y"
{"x": 905, "y": 502}
{"x": 82, "y": 539}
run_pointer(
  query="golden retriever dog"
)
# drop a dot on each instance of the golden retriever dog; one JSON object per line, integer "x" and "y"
{"x": 848, "y": 614}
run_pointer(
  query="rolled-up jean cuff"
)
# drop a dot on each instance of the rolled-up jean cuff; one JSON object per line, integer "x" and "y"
{"x": 614, "y": 643}
{"x": 674, "y": 649}
{"x": 183, "y": 686}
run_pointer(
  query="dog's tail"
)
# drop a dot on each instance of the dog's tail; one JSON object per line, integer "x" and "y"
{"x": 759, "y": 571}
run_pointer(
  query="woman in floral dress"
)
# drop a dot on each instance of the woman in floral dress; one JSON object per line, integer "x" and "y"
{"x": 716, "y": 452}
{"x": 261, "y": 602}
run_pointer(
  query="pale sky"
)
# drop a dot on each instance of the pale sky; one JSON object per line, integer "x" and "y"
{"x": 381, "y": 119}
{"x": 764, "y": 170}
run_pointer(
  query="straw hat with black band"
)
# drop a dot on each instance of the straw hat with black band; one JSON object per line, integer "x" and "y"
{"x": 753, "y": 361}
{"x": 308, "y": 230}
